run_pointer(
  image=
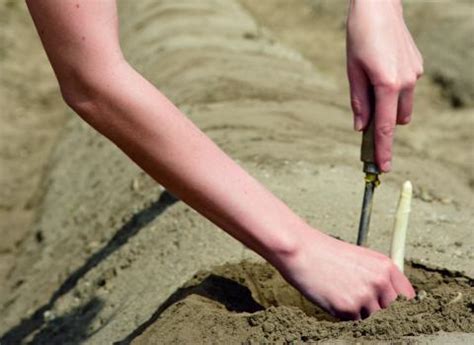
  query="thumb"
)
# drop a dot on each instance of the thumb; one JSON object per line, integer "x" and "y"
{"x": 360, "y": 96}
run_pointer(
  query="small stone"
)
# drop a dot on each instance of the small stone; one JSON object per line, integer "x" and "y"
{"x": 135, "y": 185}
{"x": 252, "y": 321}
{"x": 290, "y": 337}
{"x": 422, "y": 294}
{"x": 93, "y": 245}
{"x": 48, "y": 315}
{"x": 458, "y": 244}
{"x": 268, "y": 327}
{"x": 425, "y": 195}
{"x": 456, "y": 299}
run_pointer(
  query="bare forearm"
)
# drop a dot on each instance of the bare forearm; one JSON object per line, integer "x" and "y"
{"x": 101, "y": 87}
{"x": 159, "y": 138}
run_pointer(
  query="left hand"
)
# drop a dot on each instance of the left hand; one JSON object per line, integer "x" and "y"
{"x": 383, "y": 65}
{"x": 348, "y": 281}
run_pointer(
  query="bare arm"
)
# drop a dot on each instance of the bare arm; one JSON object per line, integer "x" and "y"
{"x": 110, "y": 95}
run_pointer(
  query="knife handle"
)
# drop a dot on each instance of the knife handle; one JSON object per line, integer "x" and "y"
{"x": 367, "y": 150}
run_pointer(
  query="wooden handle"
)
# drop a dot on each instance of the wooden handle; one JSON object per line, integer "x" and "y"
{"x": 367, "y": 151}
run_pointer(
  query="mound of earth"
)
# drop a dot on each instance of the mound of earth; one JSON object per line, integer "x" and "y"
{"x": 250, "y": 303}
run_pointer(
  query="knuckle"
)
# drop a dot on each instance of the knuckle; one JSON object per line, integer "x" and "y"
{"x": 390, "y": 84}
{"x": 382, "y": 281}
{"x": 362, "y": 295}
{"x": 357, "y": 107}
{"x": 385, "y": 130}
{"x": 420, "y": 71}
{"x": 386, "y": 266}
{"x": 347, "y": 306}
{"x": 409, "y": 83}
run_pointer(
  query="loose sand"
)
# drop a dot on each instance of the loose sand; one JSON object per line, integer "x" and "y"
{"x": 109, "y": 250}
{"x": 31, "y": 114}
{"x": 251, "y": 303}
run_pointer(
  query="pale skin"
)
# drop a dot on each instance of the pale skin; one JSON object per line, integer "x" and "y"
{"x": 383, "y": 65}
{"x": 81, "y": 40}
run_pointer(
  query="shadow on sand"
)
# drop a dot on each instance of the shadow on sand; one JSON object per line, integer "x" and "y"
{"x": 83, "y": 315}
{"x": 234, "y": 296}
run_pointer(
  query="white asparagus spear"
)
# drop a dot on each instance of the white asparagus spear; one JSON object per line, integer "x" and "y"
{"x": 397, "y": 252}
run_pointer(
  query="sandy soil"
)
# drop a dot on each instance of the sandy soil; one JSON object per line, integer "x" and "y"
{"x": 109, "y": 248}
{"x": 252, "y": 302}
{"x": 31, "y": 114}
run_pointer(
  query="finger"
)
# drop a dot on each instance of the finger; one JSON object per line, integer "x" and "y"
{"x": 344, "y": 314}
{"x": 405, "y": 106}
{"x": 387, "y": 297}
{"x": 347, "y": 311}
{"x": 360, "y": 96}
{"x": 401, "y": 284}
{"x": 372, "y": 307}
{"x": 348, "y": 316}
{"x": 386, "y": 103}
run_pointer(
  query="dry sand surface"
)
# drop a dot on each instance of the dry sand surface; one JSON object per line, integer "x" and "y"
{"x": 96, "y": 252}
{"x": 31, "y": 114}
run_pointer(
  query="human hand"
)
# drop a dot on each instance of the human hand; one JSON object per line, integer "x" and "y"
{"x": 348, "y": 281}
{"x": 383, "y": 65}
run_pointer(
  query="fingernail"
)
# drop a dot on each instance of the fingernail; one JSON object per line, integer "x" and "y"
{"x": 358, "y": 124}
{"x": 386, "y": 166}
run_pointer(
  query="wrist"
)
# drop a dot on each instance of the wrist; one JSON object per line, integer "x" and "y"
{"x": 286, "y": 247}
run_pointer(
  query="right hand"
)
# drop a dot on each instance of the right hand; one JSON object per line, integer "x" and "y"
{"x": 348, "y": 281}
{"x": 383, "y": 65}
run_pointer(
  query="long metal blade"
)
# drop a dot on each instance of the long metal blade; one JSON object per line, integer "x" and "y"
{"x": 365, "y": 213}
